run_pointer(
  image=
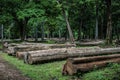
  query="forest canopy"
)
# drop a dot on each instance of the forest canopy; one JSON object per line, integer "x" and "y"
{"x": 74, "y": 19}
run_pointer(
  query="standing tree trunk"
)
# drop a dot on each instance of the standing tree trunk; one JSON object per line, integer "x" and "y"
{"x": 80, "y": 30}
{"x": 42, "y": 31}
{"x": 109, "y": 23}
{"x": 68, "y": 24}
{"x": 22, "y": 26}
{"x": 36, "y": 34}
{"x": 102, "y": 36}
{"x": 59, "y": 33}
{"x": 117, "y": 33}
{"x": 2, "y": 33}
{"x": 68, "y": 27}
{"x": 96, "y": 30}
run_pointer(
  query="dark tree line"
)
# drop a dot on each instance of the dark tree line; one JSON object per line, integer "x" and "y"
{"x": 78, "y": 19}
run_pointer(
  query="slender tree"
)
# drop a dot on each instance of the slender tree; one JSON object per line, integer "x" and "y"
{"x": 96, "y": 29}
{"x": 109, "y": 22}
{"x": 67, "y": 22}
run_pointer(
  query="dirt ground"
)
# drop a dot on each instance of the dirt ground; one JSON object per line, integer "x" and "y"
{"x": 9, "y": 72}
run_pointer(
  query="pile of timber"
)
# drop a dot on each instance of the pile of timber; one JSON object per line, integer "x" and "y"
{"x": 41, "y": 56}
{"x": 83, "y": 64}
{"x": 71, "y": 51}
{"x": 13, "y": 48}
{"x": 66, "y": 52}
{"x": 8, "y": 47}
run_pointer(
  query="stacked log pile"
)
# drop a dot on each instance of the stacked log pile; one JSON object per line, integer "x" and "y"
{"x": 41, "y": 56}
{"x": 75, "y": 65}
{"x": 7, "y": 47}
{"x": 13, "y": 48}
{"x": 70, "y": 51}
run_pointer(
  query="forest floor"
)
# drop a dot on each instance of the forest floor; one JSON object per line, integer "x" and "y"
{"x": 9, "y": 72}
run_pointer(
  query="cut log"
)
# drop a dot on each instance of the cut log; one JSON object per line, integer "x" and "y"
{"x": 93, "y": 58}
{"x": 60, "y": 54}
{"x": 20, "y": 55}
{"x": 62, "y": 46}
{"x": 90, "y": 43}
{"x": 9, "y": 48}
{"x": 45, "y": 55}
{"x": 33, "y": 47}
{"x": 74, "y": 65}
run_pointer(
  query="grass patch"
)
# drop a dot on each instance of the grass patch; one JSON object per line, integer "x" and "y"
{"x": 48, "y": 71}
{"x": 111, "y": 72}
{"x": 50, "y": 42}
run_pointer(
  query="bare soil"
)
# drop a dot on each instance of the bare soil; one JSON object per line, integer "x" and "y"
{"x": 9, "y": 72}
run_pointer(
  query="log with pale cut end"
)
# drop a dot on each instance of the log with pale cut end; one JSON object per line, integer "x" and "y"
{"x": 7, "y": 47}
{"x": 20, "y": 55}
{"x": 33, "y": 47}
{"x": 23, "y": 48}
{"x": 45, "y": 55}
{"x": 64, "y": 53}
{"x": 83, "y": 64}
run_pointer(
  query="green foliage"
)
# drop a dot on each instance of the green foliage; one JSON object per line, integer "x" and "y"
{"x": 30, "y": 13}
{"x": 50, "y": 42}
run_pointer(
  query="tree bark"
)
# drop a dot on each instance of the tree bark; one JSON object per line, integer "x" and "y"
{"x": 96, "y": 29}
{"x": 69, "y": 28}
{"x": 36, "y": 34}
{"x": 102, "y": 23}
{"x": 2, "y": 34}
{"x": 73, "y": 65}
{"x": 64, "y": 53}
{"x": 42, "y": 31}
{"x": 59, "y": 34}
{"x": 109, "y": 22}
{"x": 80, "y": 30}
{"x": 22, "y": 24}
{"x": 68, "y": 24}
{"x": 117, "y": 33}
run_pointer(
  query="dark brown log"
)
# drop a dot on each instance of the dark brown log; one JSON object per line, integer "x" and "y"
{"x": 84, "y": 64}
{"x": 60, "y": 54}
{"x": 93, "y": 58}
